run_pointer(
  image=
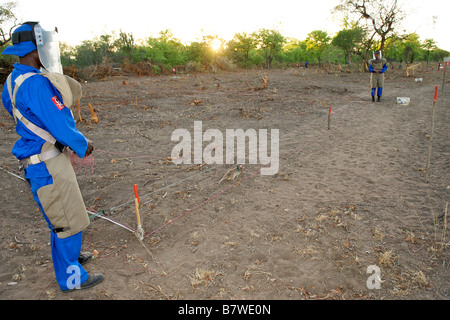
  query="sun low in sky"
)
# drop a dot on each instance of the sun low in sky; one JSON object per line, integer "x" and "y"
{"x": 190, "y": 20}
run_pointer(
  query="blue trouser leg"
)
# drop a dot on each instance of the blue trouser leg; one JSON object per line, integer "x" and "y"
{"x": 65, "y": 252}
{"x": 380, "y": 92}
{"x": 373, "y": 91}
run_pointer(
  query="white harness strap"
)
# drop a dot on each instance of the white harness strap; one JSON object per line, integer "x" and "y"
{"x": 38, "y": 158}
{"x": 18, "y": 115}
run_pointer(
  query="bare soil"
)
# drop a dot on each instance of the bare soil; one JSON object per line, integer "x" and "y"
{"x": 345, "y": 198}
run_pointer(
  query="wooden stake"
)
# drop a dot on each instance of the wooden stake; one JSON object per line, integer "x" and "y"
{"x": 138, "y": 216}
{"x": 329, "y": 118}
{"x": 140, "y": 230}
{"x": 430, "y": 145}
{"x": 79, "y": 110}
{"x": 137, "y": 204}
{"x": 94, "y": 116}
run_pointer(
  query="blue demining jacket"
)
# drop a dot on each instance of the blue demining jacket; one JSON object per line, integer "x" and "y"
{"x": 39, "y": 102}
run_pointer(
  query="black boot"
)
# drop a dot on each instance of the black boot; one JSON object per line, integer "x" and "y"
{"x": 373, "y": 98}
{"x": 379, "y": 99}
{"x": 92, "y": 281}
{"x": 84, "y": 258}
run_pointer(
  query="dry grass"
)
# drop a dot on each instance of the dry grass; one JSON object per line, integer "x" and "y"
{"x": 202, "y": 278}
{"x": 421, "y": 279}
{"x": 378, "y": 234}
{"x": 387, "y": 258}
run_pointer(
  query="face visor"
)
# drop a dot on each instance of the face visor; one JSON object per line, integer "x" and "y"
{"x": 48, "y": 48}
{"x": 377, "y": 55}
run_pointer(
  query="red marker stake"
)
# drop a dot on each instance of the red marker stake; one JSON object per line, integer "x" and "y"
{"x": 329, "y": 118}
{"x": 140, "y": 230}
{"x": 436, "y": 88}
{"x": 136, "y": 194}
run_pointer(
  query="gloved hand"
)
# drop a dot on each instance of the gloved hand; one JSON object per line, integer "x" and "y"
{"x": 90, "y": 148}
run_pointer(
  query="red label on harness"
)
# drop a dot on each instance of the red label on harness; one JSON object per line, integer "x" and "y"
{"x": 58, "y": 103}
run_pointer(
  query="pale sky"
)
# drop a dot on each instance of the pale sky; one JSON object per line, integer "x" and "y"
{"x": 188, "y": 20}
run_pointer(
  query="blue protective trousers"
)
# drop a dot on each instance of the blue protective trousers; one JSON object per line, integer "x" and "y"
{"x": 65, "y": 252}
{"x": 379, "y": 92}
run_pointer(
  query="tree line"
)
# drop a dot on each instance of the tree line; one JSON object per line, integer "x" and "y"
{"x": 367, "y": 25}
{"x": 264, "y": 48}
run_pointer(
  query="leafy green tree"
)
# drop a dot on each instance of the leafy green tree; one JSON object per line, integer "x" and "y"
{"x": 94, "y": 52}
{"x": 67, "y": 54}
{"x": 429, "y": 45}
{"x": 270, "y": 43}
{"x": 86, "y": 54}
{"x": 294, "y": 51}
{"x": 439, "y": 54}
{"x": 393, "y": 48}
{"x": 165, "y": 51}
{"x": 317, "y": 42}
{"x": 195, "y": 52}
{"x": 240, "y": 46}
{"x": 350, "y": 41}
{"x": 411, "y": 48}
{"x": 125, "y": 46}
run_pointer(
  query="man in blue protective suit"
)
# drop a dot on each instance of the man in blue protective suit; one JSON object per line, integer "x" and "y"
{"x": 38, "y": 97}
{"x": 377, "y": 67}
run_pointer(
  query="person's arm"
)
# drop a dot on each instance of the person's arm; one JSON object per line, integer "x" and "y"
{"x": 46, "y": 104}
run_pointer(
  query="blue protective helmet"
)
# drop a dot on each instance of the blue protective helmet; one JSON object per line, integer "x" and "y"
{"x": 23, "y": 40}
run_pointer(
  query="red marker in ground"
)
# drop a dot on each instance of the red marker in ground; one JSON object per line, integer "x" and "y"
{"x": 329, "y": 118}
{"x": 136, "y": 194}
{"x": 140, "y": 230}
{"x": 430, "y": 145}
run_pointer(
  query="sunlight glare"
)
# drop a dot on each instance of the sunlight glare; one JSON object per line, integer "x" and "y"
{"x": 216, "y": 44}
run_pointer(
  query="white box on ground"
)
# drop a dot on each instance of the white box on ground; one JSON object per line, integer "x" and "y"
{"x": 403, "y": 100}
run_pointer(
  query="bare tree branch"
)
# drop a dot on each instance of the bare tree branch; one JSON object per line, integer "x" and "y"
{"x": 8, "y": 21}
{"x": 384, "y": 16}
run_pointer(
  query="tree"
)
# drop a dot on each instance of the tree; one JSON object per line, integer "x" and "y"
{"x": 240, "y": 46}
{"x": 209, "y": 54}
{"x": 67, "y": 54}
{"x": 393, "y": 48}
{"x": 165, "y": 51}
{"x": 317, "y": 42}
{"x": 125, "y": 45}
{"x": 94, "y": 52}
{"x": 270, "y": 43}
{"x": 411, "y": 47}
{"x": 428, "y": 45}
{"x": 440, "y": 54}
{"x": 349, "y": 40}
{"x": 8, "y": 21}
{"x": 295, "y": 51}
{"x": 384, "y": 16}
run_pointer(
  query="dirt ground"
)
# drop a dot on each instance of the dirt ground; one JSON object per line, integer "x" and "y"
{"x": 345, "y": 198}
